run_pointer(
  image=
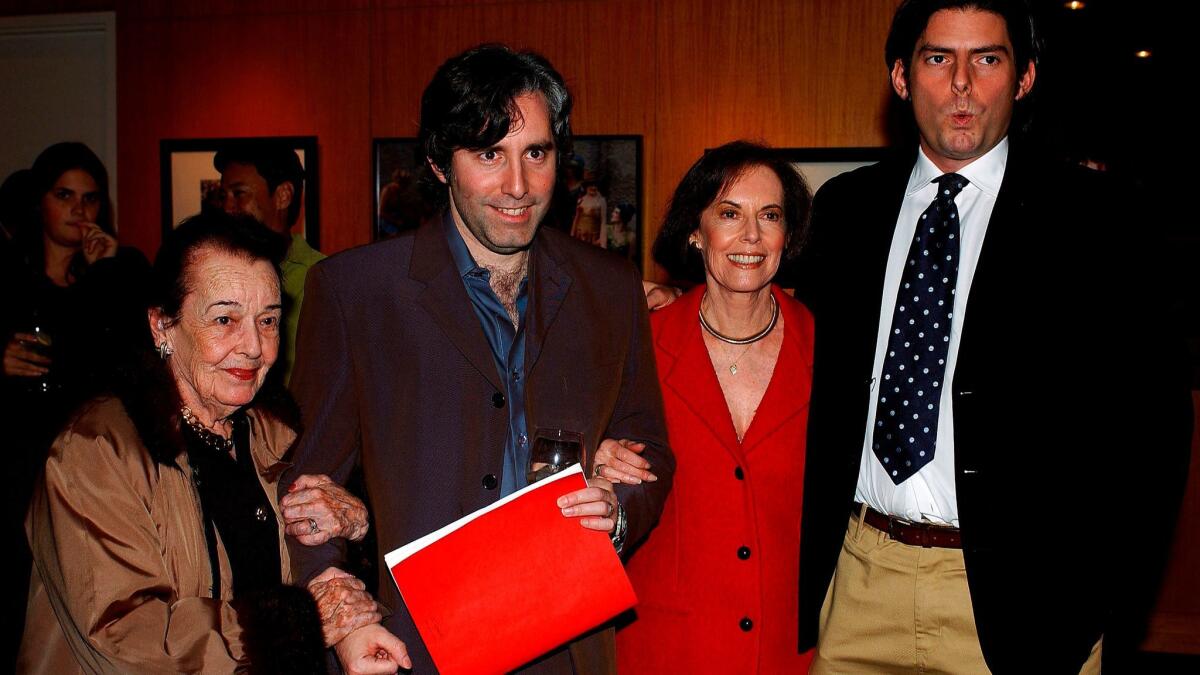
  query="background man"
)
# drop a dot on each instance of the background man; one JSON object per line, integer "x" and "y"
{"x": 264, "y": 179}
{"x": 992, "y": 380}
{"x": 432, "y": 358}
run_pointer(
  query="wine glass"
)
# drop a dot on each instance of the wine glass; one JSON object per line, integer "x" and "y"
{"x": 553, "y": 450}
{"x": 43, "y": 345}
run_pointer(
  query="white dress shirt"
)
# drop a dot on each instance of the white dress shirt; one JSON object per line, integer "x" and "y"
{"x": 929, "y": 495}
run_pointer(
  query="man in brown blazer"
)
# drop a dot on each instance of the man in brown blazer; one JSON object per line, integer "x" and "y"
{"x": 431, "y": 359}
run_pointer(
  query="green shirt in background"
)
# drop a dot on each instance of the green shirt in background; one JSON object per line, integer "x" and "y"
{"x": 300, "y": 256}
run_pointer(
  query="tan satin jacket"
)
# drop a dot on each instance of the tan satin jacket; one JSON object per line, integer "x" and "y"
{"x": 121, "y": 580}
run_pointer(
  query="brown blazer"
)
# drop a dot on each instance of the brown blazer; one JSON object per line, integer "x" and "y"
{"x": 393, "y": 372}
{"x": 122, "y": 581}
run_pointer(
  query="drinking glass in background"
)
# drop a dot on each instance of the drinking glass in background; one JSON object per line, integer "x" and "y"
{"x": 553, "y": 450}
{"x": 42, "y": 344}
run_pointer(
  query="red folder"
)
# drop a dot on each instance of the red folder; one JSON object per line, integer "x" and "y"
{"x": 496, "y": 589}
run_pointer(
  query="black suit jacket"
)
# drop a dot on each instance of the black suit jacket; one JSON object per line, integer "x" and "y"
{"x": 1071, "y": 405}
{"x": 393, "y": 371}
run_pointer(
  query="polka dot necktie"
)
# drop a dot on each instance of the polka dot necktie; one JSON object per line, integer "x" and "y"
{"x": 906, "y": 418}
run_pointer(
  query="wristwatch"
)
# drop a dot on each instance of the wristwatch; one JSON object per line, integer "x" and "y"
{"x": 618, "y": 532}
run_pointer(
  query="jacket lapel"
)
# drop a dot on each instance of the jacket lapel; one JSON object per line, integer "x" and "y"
{"x": 548, "y": 286}
{"x": 272, "y": 444}
{"x": 446, "y": 299}
{"x": 691, "y": 374}
{"x": 791, "y": 382}
{"x": 1002, "y": 244}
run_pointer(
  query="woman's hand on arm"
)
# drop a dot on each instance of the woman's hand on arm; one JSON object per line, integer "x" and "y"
{"x": 316, "y": 509}
{"x": 620, "y": 462}
{"x": 343, "y": 604}
{"x": 659, "y": 296}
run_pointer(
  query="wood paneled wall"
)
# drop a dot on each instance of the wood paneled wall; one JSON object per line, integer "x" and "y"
{"x": 685, "y": 74}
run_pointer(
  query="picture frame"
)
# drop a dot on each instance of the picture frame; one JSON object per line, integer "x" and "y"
{"x": 613, "y": 164}
{"x": 611, "y": 216}
{"x": 398, "y": 203}
{"x": 818, "y": 165}
{"x": 189, "y": 180}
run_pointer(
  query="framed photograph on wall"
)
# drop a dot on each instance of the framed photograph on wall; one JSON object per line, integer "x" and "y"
{"x": 599, "y": 195}
{"x": 399, "y": 203}
{"x": 191, "y": 184}
{"x": 820, "y": 164}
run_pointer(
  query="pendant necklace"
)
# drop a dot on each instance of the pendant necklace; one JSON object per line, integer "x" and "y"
{"x": 748, "y": 341}
{"x": 733, "y": 369}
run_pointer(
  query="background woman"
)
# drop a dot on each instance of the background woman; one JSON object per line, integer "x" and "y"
{"x": 717, "y": 577}
{"x": 70, "y": 301}
{"x": 157, "y": 539}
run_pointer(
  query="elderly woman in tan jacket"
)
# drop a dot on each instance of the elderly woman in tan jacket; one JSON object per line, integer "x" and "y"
{"x": 158, "y": 544}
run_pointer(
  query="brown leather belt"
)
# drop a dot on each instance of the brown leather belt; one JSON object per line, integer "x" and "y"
{"x": 926, "y": 535}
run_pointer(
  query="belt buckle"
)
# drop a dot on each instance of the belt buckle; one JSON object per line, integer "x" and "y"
{"x": 896, "y": 528}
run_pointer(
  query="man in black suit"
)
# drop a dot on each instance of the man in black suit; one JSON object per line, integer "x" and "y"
{"x": 999, "y": 423}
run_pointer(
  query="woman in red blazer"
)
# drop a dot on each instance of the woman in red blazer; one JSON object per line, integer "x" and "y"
{"x": 716, "y": 579}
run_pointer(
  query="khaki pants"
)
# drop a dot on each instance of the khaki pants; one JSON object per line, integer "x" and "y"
{"x": 895, "y": 608}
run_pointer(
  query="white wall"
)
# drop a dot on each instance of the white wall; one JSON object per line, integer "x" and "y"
{"x": 58, "y": 76}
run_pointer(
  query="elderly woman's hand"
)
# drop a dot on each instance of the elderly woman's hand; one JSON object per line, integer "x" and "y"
{"x": 316, "y": 509}
{"x": 595, "y": 506}
{"x": 343, "y": 604}
{"x": 620, "y": 462}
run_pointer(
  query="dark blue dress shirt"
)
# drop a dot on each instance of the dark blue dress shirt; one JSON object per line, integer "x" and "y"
{"x": 508, "y": 350}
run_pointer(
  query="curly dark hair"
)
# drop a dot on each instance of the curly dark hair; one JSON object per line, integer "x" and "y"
{"x": 470, "y": 103}
{"x": 704, "y": 183}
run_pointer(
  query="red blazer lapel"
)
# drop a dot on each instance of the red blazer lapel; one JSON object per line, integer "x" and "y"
{"x": 690, "y": 371}
{"x": 791, "y": 382}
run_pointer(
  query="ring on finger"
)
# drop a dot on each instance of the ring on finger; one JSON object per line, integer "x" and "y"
{"x": 312, "y": 526}
{"x": 598, "y": 471}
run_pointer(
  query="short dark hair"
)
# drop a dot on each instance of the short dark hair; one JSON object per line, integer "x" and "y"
{"x": 238, "y": 235}
{"x": 715, "y": 171}
{"x": 63, "y": 157}
{"x": 470, "y": 103}
{"x": 276, "y": 161}
{"x": 912, "y": 16}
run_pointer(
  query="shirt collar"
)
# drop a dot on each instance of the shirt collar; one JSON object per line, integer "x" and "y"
{"x": 985, "y": 172}
{"x": 464, "y": 262}
{"x": 294, "y": 248}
